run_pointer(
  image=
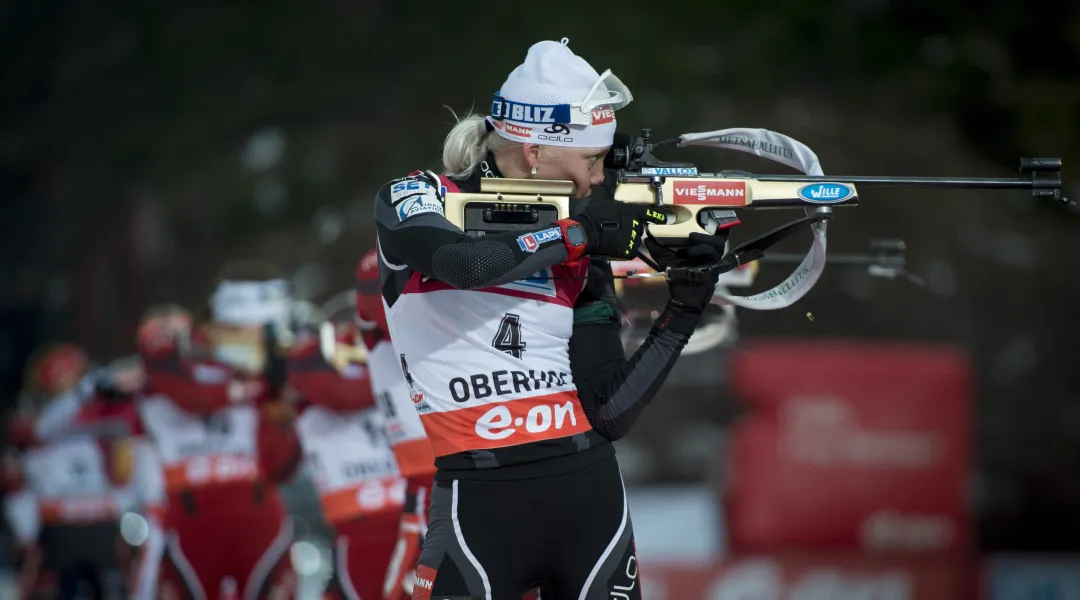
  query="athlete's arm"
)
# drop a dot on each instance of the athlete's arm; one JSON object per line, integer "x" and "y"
{"x": 171, "y": 374}
{"x": 280, "y": 452}
{"x": 414, "y": 232}
{"x": 61, "y": 412}
{"x": 318, "y": 382}
{"x": 615, "y": 390}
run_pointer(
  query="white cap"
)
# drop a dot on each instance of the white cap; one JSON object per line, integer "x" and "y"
{"x": 557, "y": 98}
{"x": 250, "y": 303}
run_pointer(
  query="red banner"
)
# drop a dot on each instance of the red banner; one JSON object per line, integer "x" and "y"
{"x": 843, "y": 577}
{"x": 850, "y": 445}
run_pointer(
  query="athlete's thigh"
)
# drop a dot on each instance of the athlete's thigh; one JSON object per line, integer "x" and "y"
{"x": 609, "y": 576}
{"x": 449, "y": 568}
{"x": 598, "y": 560}
{"x": 281, "y": 583}
{"x": 176, "y": 582}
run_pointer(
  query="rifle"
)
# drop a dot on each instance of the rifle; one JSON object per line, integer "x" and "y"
{"x": 701, "y": 201}
{"x": 710, "y": 202}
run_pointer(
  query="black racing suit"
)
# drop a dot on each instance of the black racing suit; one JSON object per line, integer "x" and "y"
{"x": 553, "y": 512}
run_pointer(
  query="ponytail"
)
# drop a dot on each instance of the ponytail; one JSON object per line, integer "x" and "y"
{"x": 467, "y": 144}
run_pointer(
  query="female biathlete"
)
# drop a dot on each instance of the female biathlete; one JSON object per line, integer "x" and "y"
{"x": 510, "y": 344}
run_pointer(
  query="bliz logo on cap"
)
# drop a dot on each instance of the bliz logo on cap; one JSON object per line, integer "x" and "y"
{"x": 501, "y": 108}
{"x": 530, "y": 242}
{"x": 825, "y": 193}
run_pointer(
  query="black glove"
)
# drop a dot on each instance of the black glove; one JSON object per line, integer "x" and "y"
{"x": 693, "y": 267}
{"x": 615, "y": 229}
{"x": 699, "y": 250}
{"x": 105, "y": 386}
{"x": 276, "y": 369}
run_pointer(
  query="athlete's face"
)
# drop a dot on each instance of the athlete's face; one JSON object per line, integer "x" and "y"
{"x": 162, "y": 329}
{"x": 583, "y": 166}
{"x": 128, "y": 378}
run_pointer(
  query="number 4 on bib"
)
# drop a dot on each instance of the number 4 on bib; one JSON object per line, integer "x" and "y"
{"x": 508, "y": 337}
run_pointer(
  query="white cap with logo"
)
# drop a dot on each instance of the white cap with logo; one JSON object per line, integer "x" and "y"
{"x": 558, "y": 99}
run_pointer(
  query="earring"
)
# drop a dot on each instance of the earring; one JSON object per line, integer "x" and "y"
{"x": 532, "y": 172}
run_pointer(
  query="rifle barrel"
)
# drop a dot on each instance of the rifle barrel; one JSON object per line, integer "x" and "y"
{"x": 940, "y": 182}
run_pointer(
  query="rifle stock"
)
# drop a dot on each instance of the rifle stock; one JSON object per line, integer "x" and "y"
{"x": 336, "y": 353}
{"x": 525, "y": 203}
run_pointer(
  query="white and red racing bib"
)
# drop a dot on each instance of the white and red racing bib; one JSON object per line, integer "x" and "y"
{"x": 203, "y": 450}
{"x": 70, "y": 481}
{"x": 491, "y": 368}
{"x": 353, "y": 465}
{"x": 412, "y": 450}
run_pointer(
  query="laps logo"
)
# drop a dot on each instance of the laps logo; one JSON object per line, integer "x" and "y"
{"x": 716, "y": 193}
{"x": 530, "y": 242}
{"x": 604, "y": 114}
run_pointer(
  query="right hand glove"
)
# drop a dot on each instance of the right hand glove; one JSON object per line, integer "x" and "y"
{"x": 694, "y": 269}
{"x": 615, "y": 229}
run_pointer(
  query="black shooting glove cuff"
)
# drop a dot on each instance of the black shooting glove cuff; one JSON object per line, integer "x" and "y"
{"x": 691, "y": 288}
{"x": 692, "y": 268}
{"x": 615, "y": 229}
{"x": 677, "y": 319}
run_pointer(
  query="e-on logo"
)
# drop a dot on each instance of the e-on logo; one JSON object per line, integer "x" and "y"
{"x": 501, "y": 422}
{"x": 825, "y": 193}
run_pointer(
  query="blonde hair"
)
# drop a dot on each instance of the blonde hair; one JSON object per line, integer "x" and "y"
{"x": 468, "y": 143}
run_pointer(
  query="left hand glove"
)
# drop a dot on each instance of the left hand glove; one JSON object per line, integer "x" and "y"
{"x": 699, "y": 250}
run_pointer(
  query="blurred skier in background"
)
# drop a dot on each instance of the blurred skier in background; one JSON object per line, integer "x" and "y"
{"x": 212, "y": 405}
{"x": 84, "y": 466}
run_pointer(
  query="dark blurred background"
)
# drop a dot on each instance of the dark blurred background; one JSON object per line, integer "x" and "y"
{"x": 143, "y": 144}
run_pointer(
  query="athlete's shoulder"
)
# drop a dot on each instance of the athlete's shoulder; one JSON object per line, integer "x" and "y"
{"x": 420, "y": 192}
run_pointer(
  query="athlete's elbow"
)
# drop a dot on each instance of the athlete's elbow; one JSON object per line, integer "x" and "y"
{"x": 613, "y": 428}
{"x": 470, "y": 266}
{"x": 611, "y": 431}
{"x": 465, "y": 278}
